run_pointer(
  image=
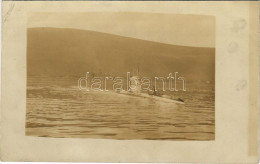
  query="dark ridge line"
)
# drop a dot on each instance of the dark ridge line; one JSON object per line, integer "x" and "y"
{"x": 75, "y": 29}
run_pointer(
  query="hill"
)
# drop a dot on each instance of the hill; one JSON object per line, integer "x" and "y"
{"x": 72, "y": 52}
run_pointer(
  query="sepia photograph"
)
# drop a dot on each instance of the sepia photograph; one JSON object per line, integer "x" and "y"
{"x": 130, "y": 82}
{"x": 120, "y": 75}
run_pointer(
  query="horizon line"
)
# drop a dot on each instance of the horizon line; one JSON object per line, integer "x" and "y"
{"x": 122, "y": 36}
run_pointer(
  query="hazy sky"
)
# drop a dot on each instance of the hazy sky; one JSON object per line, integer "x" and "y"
{"x": 187, "y": 30}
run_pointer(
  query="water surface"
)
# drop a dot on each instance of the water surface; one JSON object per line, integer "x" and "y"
{"x": 57, "y": 108}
